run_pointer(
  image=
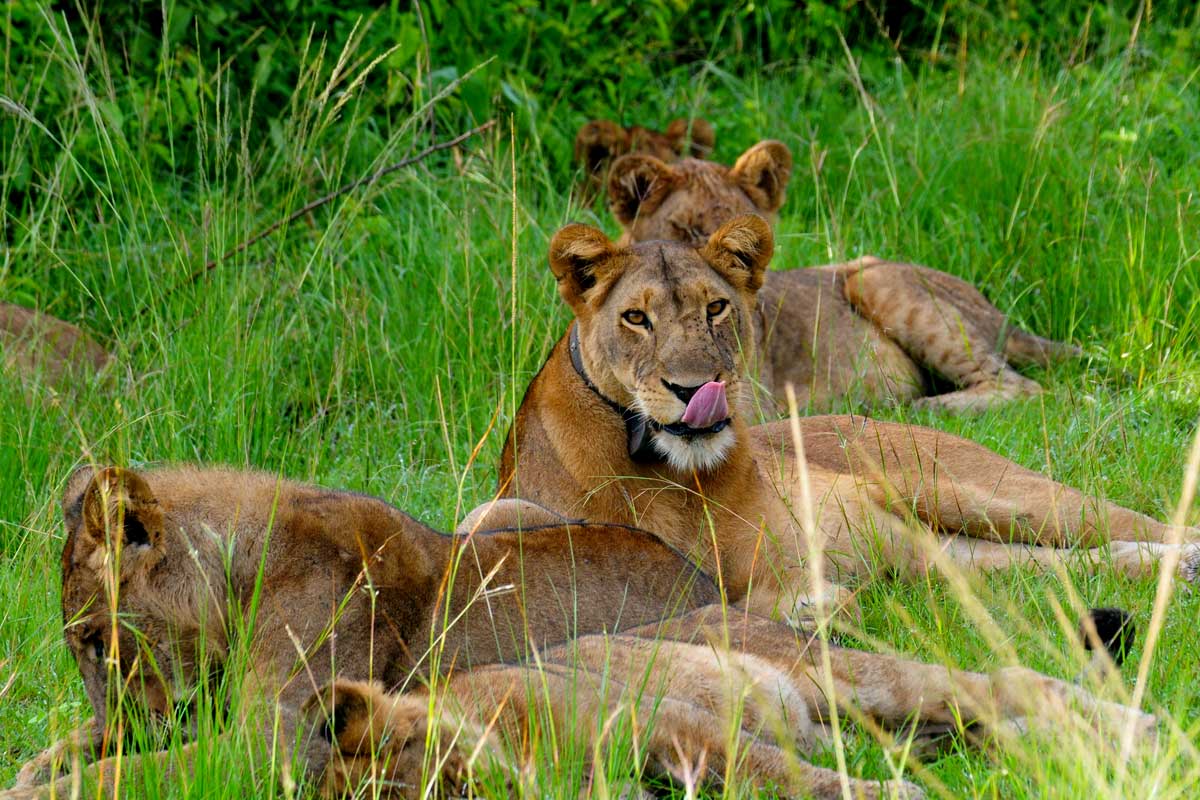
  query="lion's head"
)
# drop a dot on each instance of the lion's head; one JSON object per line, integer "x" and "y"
{"x": 665, "y": 329}
{"x": 600, "y": 141}
{"x": 129, "y": 606}
{"x": 385, "y": 737}
{"x": 689, "y": 200}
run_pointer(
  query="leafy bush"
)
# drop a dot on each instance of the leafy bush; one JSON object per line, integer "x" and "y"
{"x": 166, "y": 82}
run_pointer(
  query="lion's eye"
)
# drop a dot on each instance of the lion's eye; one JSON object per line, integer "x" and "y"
{"x": 716, "y": 307}
{"x": 637, "y": 318}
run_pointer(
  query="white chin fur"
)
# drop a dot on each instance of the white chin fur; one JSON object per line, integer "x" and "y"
{"x": 700, "y": 453}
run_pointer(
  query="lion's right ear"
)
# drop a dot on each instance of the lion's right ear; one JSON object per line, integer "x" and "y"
{"x": 637, "y": 184}
{"x": 598, "y": 142}
{"x": 577, "y": 258}
{"x": 740, "y": 250}
{"x": 119, "y": 510}
{"x": 701, "y": 142}
{"x": 763, "y": 173}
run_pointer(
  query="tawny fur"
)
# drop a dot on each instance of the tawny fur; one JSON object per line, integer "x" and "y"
{"x": 600, "y": 141}
{"x": 864, "y": 330}
{"x": 181, "y": 551}
{"x": 885, "y": 496}
{"x": 33, "y": 344}
{"x": 690, "y": 688}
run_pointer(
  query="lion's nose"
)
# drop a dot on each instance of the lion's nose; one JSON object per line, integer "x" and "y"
{"x": 684, "y": 393}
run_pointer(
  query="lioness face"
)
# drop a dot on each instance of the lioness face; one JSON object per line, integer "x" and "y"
{"x": 689, "y": 200}
{"x": 384, "y": 737}
{"x": 665, "y": 329}
{"x": 115, "y": 617}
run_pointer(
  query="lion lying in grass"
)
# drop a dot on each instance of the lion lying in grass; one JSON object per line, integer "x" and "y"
{"x": 867, "y": 330}
{"x": 170, "y": 574}
{"x": 600, "y": 141}
{"x": 642, "y": 415}
{"x": 33, "y": 343}
{"x": 165, "y": 571}
{"x": 745, "y": 699}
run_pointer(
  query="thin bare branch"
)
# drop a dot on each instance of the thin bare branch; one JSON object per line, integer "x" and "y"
{"x": 309, "y": 207}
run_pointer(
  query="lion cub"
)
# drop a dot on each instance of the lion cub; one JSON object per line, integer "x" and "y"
{"x": 600, "y": 141}
{"x": 866, "y": 330}
{"x": 698, "y": 691}
{"x": 308, "y": 581}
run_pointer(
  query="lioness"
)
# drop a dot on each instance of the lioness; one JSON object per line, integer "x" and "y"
{"x": 600, "y": 141}
{"x": 33, "y": 343}
{"x": 641, "y": 416}
{"x": 867, "y": 329}
{"x": 164, "y": 570}
{"x": 685, "y": 699}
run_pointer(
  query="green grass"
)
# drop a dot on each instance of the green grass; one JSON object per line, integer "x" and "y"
{"x": 372, "y": 345}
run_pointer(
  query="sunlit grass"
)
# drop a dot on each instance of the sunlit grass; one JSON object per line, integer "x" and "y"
{"x": 373, "y": 345}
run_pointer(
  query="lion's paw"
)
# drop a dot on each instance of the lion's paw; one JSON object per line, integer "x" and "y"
{"x": 1115, "y": 720}
{"x": 35, "y": 772}
{"x": 1189, "y": 565}
{"x": 1145, "y": 728}
{"x": 901, "y": 790}
{"x": 23, "y": 793}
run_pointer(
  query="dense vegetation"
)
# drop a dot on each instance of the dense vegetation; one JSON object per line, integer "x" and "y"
{"x": 382, "y": 342}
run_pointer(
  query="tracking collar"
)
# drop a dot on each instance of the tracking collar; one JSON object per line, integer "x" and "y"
{"x": 637, "y": 427}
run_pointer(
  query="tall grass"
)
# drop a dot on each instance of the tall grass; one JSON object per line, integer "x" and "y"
{"x": 375, "y": 343}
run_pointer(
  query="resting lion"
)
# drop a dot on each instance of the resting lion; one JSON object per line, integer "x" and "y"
{"x": 345, "y": 584}
{"x": 182, "y": 551}
{"x": 600, "y": 141}
{"x": 641, "y": 415}
{"x": 753, "y": 674}
{"x": 33, "y": 343}
{"x": 868, "y": 330}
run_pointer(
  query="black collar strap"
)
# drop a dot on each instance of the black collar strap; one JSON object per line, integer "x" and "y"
{"x": 637, "y": 429}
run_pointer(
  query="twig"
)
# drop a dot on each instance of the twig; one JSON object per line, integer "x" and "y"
{"x": 369, "y": 179}
{"x": 320, "y": 201}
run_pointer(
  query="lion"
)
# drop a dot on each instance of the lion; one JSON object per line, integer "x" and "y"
{"x": 685, "y": 687}
{"x": 37, "y": 344}
{"x": 165, "y": 570}
{"x": 867, "y": 330}
{"x": 184, "y": 556}
{"x": 600, "y": 141}
{"x": 642, "y": 415}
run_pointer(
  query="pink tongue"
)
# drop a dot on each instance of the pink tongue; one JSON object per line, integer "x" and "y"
{"x": 707, "y": 406}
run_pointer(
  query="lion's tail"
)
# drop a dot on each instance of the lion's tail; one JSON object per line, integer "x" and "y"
{"x": 1026, "y": 349}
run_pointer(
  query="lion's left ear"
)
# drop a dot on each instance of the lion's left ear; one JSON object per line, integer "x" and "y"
{"x": 740, "y": 250}
{"x": 763, "y": 173}
{"x": 578, "y": 254}
{"x": 72, "y": 499}
{"x": 599, "y": 142}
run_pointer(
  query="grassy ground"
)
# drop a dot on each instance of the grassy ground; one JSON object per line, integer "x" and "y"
{"x": 373, "y": 345}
